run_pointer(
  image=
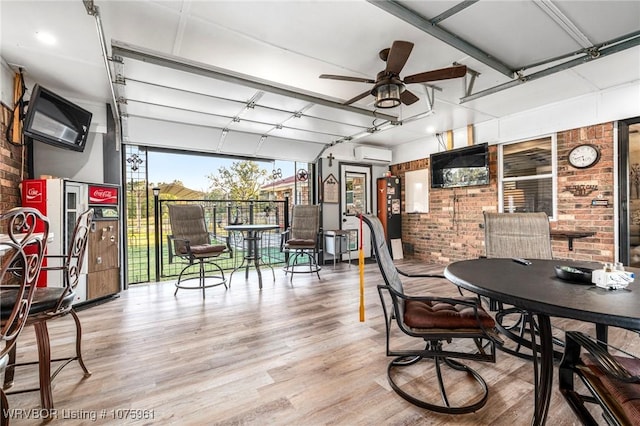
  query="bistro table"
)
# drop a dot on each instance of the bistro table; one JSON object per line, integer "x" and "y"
{"x": 251, "y": 237}
{"x": 536, "y": 289}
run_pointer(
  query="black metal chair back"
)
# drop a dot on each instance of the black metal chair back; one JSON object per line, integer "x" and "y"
{"x": 22, "y": 249}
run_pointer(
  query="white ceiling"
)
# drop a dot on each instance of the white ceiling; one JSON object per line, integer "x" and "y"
{"x": 191, "y": 69}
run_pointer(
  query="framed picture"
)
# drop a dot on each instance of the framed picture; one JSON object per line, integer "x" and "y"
{"x": 331, "y": 189}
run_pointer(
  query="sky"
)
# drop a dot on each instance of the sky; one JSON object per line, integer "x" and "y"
{"x": 193, "y": 170}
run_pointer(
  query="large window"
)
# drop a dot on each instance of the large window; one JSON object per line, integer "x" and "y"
{"x": 527, "y": 178}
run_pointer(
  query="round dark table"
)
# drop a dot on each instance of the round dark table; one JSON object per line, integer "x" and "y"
{"x": 536, "y": 289}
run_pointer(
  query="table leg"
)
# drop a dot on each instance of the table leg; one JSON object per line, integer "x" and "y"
{"x": 256, "y": 260}
{"x": 602, "y": 333}
{"x": 250, "y": 252}
{"x": 542, "y": 367}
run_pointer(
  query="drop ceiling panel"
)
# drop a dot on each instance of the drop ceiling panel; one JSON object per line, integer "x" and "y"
{"x": 618, "y": 69}
{"x": 518, "y": 33}
{"x": 534, "y": 93}
{"x": 591, "y": 18}
{"x": 141, "y": 23}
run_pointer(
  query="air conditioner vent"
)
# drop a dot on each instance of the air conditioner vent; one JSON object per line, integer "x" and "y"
{"x": 372, "y": 154}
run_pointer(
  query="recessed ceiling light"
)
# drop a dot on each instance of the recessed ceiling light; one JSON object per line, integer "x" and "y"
{"x": 45, "y": 38}
{"x": 430, "y": 129}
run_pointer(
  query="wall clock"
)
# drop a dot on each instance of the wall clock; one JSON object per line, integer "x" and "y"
{"x": 583, "y": 156}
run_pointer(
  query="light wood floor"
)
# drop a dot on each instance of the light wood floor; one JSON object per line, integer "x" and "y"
{"x": 291, "y": 354}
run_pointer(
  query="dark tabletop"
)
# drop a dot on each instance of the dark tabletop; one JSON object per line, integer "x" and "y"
{"x": 536, "y": 288}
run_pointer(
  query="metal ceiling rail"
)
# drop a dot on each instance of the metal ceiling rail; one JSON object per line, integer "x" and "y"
{"x": 93, "y": 10}
{"x": 588, "y": 50}
{"x": 173, "y": 62}
{"x": 597, "y": 54}
{"x": 431, "y": 28}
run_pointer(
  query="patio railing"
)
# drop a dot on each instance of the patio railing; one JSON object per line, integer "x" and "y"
{"x": 219, "y": 214}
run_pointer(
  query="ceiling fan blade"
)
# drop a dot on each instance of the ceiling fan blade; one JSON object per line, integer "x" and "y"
{"x": 441, "y": 74}
{"x": 347, "y": 78}
{"x": 398, "y": 55}
{"x": 357, "y": 98}
{"x": 408, "y": 98}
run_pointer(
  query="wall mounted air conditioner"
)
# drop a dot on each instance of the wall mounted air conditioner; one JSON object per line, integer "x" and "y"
{"x": 372, "y": 154}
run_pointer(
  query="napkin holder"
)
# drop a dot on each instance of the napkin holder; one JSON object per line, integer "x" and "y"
{"x": 612, "y": 280}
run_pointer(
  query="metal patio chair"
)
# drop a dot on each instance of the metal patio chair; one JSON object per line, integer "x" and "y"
{"x": 190, "y": 241}
{"x": 302, "y": 241}
{"x": 436, "y": 321}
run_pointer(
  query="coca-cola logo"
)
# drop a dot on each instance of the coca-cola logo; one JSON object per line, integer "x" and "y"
{"x": 103, "y": 195}
{"x": 33, "y": 192}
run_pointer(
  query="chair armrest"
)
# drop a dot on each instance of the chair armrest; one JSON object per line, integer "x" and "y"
{"x": 420, "y": 275}
{"x": 187, "y": 245}
{"x": 424, "y": 275}
{"x": 283, "y": 238}
{"x": 605, "y": 360}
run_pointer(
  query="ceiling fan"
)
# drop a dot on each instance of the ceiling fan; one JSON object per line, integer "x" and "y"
{"x": 388, "y": 88}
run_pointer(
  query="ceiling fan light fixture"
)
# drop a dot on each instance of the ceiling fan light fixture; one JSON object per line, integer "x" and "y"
{"x": 388, "y": 95}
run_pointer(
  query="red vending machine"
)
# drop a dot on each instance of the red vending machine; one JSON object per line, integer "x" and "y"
{"x": 61, "y": 201}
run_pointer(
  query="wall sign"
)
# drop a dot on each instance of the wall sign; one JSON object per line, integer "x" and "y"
{"x": 330, "y": 189}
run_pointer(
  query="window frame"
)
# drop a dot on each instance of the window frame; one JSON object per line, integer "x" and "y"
{"x": 553, "y": 175}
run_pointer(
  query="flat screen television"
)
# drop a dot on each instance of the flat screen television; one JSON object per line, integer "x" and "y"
{"x": 466, "y": 166}
{"x": 54, "y": 120}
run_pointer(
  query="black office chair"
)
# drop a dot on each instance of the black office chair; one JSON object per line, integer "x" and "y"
{"x": 190, "y": 240}
{"x": 611, "y": 378}
{"x": 55, "y": 301}
{"x": 21, "y": 254}
{"x": 436, "y": 321}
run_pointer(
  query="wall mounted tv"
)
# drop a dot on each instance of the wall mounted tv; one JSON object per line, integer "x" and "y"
{"x": 56, "y": 121}
{"x": 466, "y": 166}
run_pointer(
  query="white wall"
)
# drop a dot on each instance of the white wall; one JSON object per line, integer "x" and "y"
{"x": 83, "y": 166}
{"x": 6, "y": 83}
{"x": 618, "y": 103}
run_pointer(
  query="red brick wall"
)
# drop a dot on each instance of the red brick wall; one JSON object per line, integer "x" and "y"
{"x": 451, "y": 230}
{"x": 10, "y": 164}
{"x": 576, "y": 212}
